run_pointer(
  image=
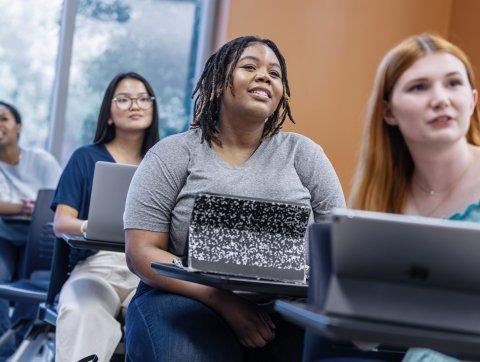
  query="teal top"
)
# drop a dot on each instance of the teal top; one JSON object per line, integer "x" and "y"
{"x": 471, "y": 213}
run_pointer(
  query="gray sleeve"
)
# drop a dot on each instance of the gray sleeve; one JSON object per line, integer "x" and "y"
{"x": 319, "y": 177}
{"x": 155, "y": 186}
{"x": 45, "y": 166}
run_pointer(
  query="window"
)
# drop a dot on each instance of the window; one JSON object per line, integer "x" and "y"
{"x": 156, "y": 38}
{"x": 59, "y": 97}
{"x": 28, "y": 51}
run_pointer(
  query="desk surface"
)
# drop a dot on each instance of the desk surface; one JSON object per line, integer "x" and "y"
{"x": 378, "y": 332}
{"x": 79, "y": 242}
{"x": 231, "y": 283}
{"x": 22, "y": 219}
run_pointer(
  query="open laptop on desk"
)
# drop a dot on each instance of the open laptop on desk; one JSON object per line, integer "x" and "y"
{"x": 403, "y": 269}
{"x": 397, "y": 280}
{"x": 107, "y": 204}
{"x": 373, "y": 296}
{"x": 245, "y": 244}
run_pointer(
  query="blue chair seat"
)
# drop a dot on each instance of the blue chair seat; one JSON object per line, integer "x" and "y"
{"x": 35, "y": 272}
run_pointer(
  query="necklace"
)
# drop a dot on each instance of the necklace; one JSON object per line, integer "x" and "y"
{"x": 448, "y": 190}
{"x": 432, "y": 192}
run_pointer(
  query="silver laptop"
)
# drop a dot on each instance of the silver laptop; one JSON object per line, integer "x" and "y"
{"x": 407, "y": 270}
{"x": 248, "y": 237}
{"x": 107, "y": 201}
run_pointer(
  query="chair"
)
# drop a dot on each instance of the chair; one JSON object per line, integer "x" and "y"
{"x": 43, "y": 335}
{"x": 35, "y": 270}
{"x": 316, "y": 347}
{"x": 59, "y": 275}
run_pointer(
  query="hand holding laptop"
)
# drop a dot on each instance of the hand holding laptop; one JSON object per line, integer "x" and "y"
{"x": 247, "y": 244}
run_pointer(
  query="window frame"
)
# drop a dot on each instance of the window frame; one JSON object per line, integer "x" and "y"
{"x": 202, "y": 46}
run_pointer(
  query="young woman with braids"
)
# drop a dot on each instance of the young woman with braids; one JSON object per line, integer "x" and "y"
{"x": 235, "y": 147}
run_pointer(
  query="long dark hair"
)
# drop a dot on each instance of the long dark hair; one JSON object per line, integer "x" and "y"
{"x": 15, "y": 113}
{"x": 105, "y": 132}
{"x": 217, "y": 76}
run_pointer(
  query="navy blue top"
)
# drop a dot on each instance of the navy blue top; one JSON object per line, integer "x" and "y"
{"x": 75, "y": 187}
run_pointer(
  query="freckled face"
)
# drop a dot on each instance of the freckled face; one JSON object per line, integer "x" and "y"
{"x": 257, "y": 84}
{"x": 432, "y": 101}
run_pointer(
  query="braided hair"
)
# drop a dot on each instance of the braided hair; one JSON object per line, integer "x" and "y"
{"x": 217, "y": 76}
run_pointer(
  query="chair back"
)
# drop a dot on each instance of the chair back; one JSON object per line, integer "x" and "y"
{"x": 40, "y": 240}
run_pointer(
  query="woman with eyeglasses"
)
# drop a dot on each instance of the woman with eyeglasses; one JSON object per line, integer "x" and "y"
{"x": 100, "y": 283}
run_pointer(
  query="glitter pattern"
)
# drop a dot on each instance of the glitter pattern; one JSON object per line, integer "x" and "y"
{"x": 260, "y": 239}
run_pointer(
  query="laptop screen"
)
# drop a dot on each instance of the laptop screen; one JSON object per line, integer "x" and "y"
{"x": 107, "y": 201}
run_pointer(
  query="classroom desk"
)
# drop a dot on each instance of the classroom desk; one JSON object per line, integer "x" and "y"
{"x": 349, "y": 329}
{"x": 20, "y": 219}
{"x": 79, "y": 242}
{"x": 232, "y": 283}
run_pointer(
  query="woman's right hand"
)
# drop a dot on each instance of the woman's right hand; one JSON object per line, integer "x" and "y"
{"x": 83, "y": 228}
{"x": 253, "y": 327}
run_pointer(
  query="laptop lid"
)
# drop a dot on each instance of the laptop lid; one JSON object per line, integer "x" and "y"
{"x": 406, "y": 249}
{"x": 248, "y": 237}
{"x": 107, "y": 201}
{"x": 405, "y": 269}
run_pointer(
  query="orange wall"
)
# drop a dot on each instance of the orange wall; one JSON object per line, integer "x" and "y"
{"x": 464, "y": 29}
{"x": 332, "y": 48}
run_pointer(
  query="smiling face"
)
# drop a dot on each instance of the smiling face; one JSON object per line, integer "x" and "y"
{"x": 9, "y": 128}
{"x": 133, "y": 118}
{"x": 432, "y": 101}
{"x": 257, "y": 86}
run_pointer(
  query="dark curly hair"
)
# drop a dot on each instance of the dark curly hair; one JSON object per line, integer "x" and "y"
{"x": 217, "y": 76}
{"x": 14, "y": 111}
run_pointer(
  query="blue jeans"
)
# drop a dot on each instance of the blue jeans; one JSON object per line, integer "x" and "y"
{"x": 11, "y": 255}
{"x": 168, "y": 327}
{"x": 9, "y": 259}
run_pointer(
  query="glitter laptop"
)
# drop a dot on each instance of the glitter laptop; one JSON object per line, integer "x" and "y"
{"x": 249, "y": 238}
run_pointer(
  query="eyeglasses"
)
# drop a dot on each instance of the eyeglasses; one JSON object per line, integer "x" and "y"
{"x": 125, "y": 103}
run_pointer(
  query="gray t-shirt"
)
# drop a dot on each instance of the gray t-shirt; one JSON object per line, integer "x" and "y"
{"x": 37, "y": 169}
{"x": 286, "y": 167}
